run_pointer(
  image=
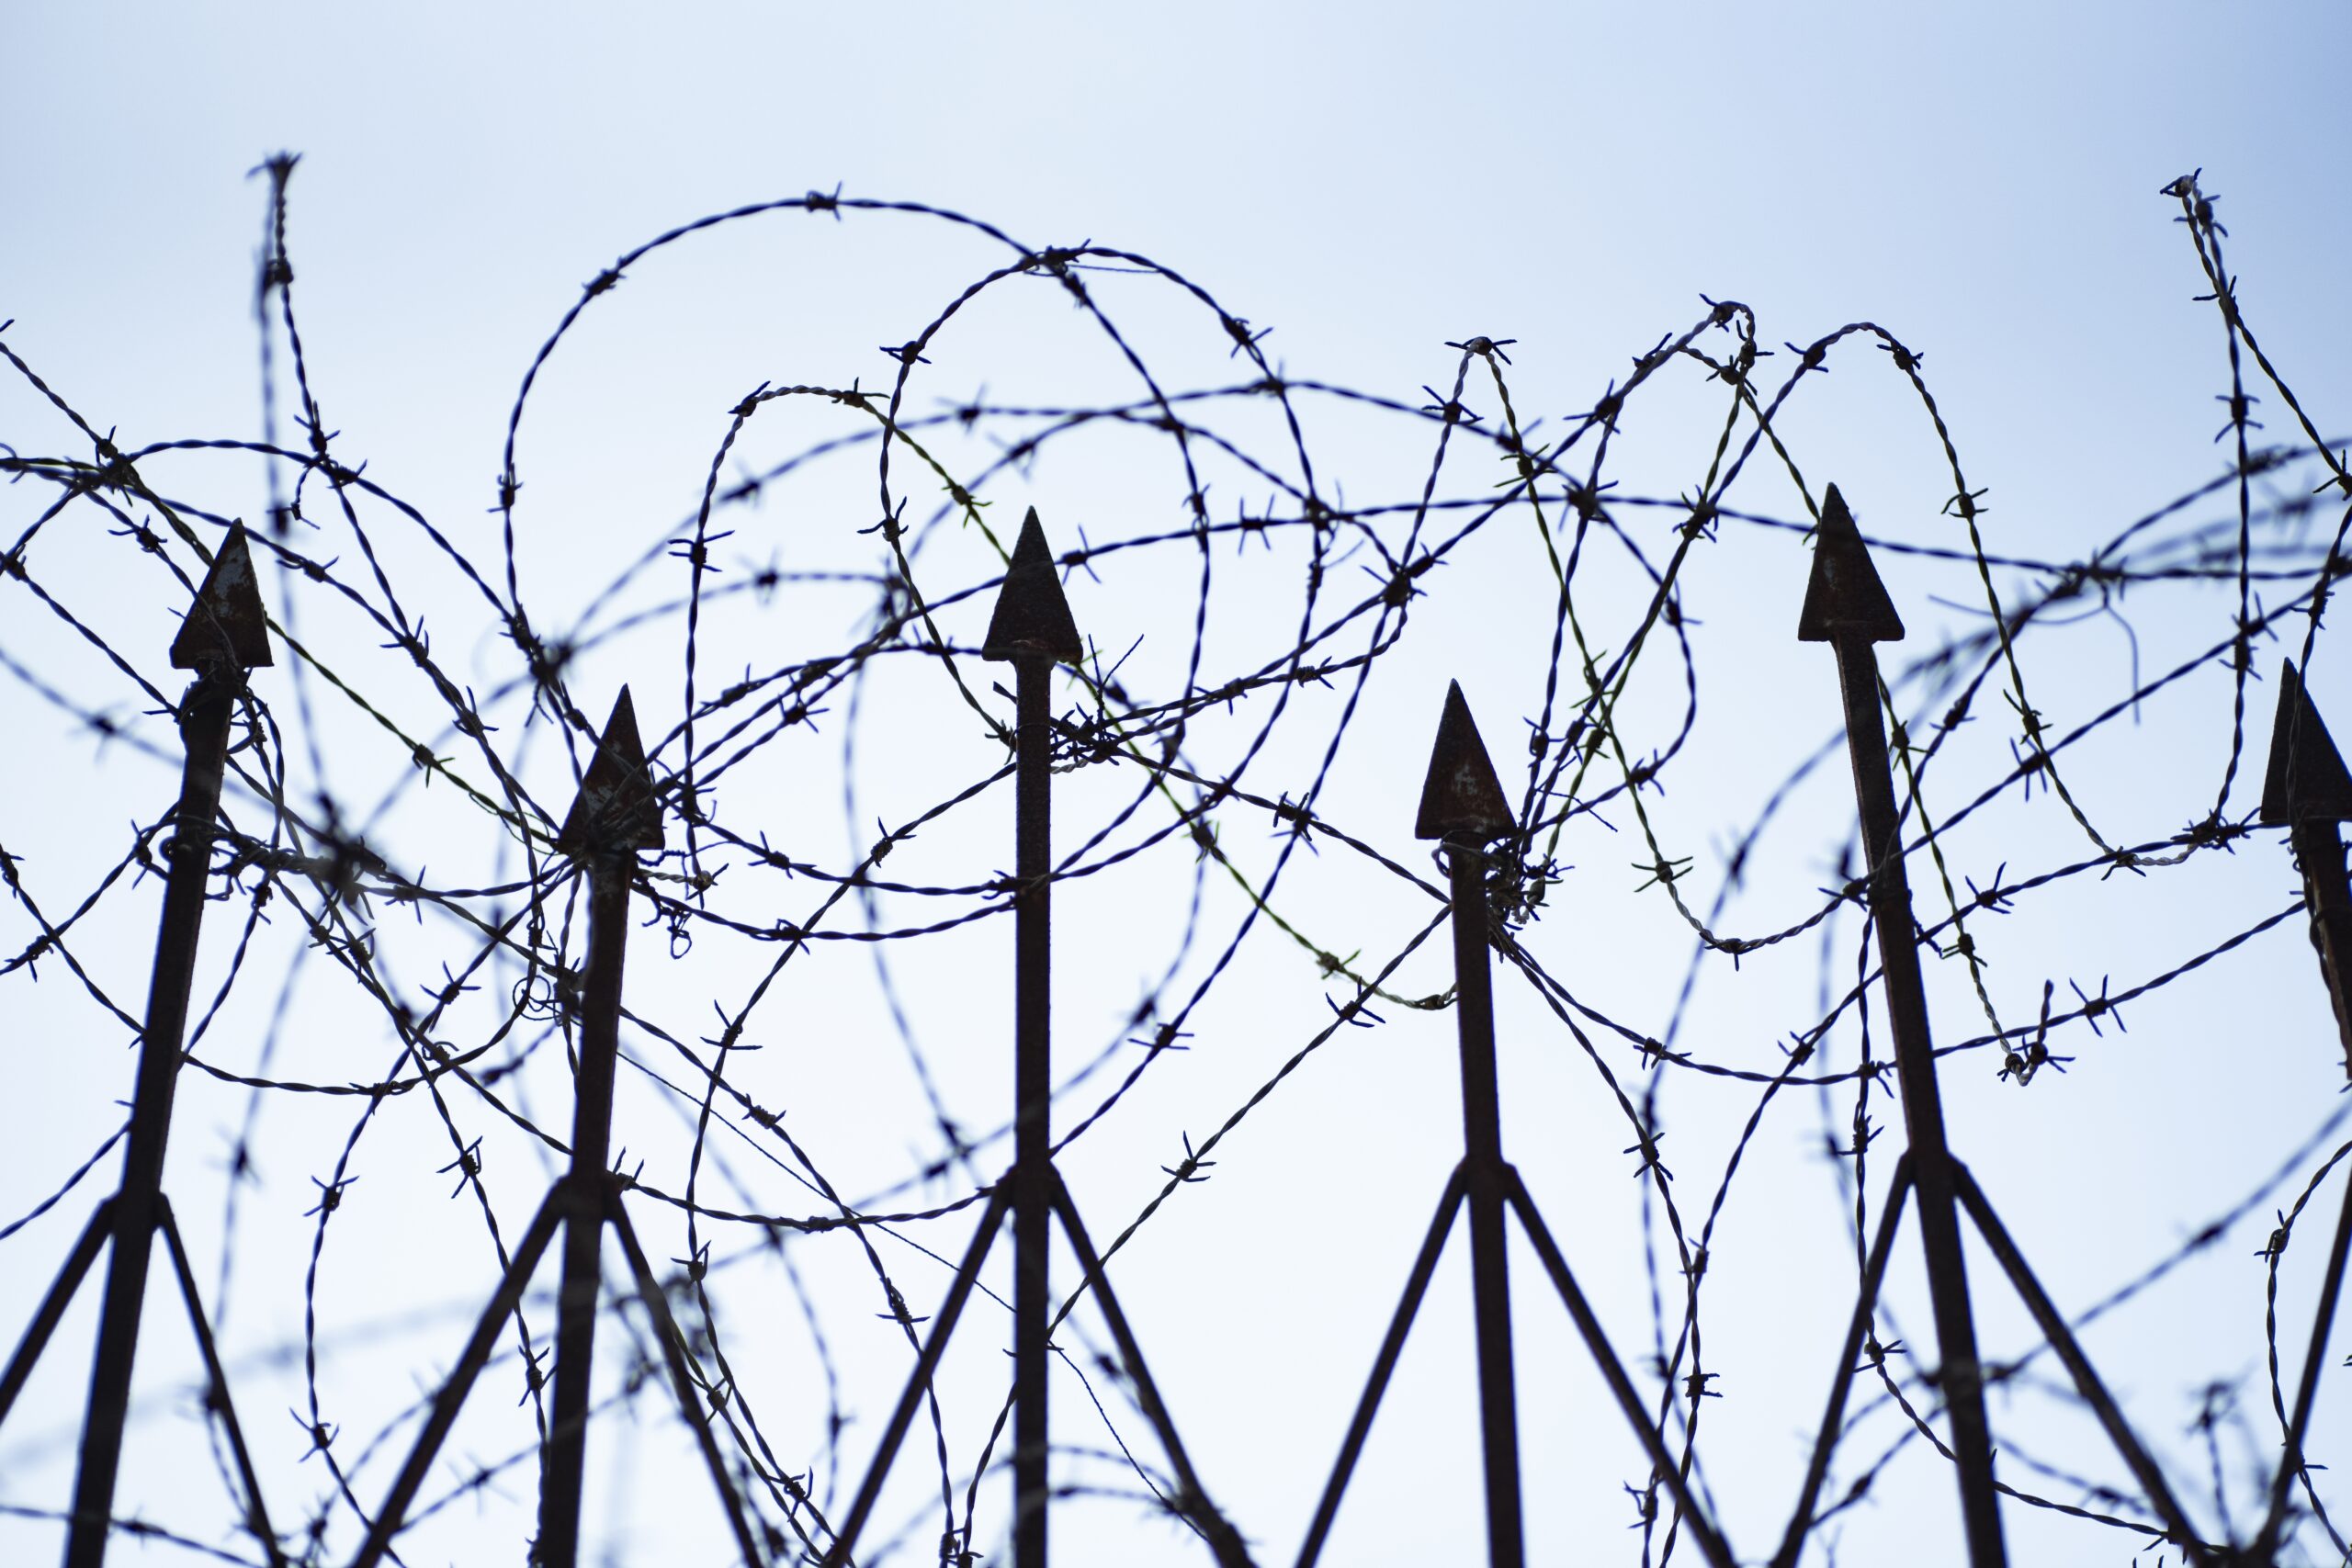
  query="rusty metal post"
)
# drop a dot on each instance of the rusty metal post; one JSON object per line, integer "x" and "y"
{"x": 1847, "y": 607}
{"x": 226, "y": 634}
{"x": 613, "y": 817}
{"x": 1463, "y": 804}
{"x": 1032, "y": 628}
{"x": 1033, "y": 1078}
{"x": 2307, "y": 790}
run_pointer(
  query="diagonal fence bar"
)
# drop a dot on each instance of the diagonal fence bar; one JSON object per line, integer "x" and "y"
{"x": 2052, "y": 1323}
{"x": 1841, "y": 1384}
{"x": 451, "y": 1399}
{"x": 1192, "y": 1502}
{"x": 216, "y": 1398}
{"x": 1383, "y": 1366}
{"x": 53, "y": 1306}
{"x": 934, "y": 1348}
{"x": 691, "y": 1407}
{"x": 1711, "y": 1545}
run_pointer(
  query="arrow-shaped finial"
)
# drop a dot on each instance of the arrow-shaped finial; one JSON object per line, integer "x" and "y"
{"x": 1032, "y": 616}
{"x": 615, "y": 808}
{"x": 1845, "y": 597}
{"x": 227, "y": 620}
{"x": 2306, "y": 780}
{"x": 1462, "y": 796}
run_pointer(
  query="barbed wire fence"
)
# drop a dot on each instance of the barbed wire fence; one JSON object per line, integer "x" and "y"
{"x": 392, "y": 988}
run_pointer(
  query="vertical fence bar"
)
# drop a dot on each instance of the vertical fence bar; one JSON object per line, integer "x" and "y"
{"x": 1033, "y": 1094}
{"x": 615, "y": 817}
{"x": 1463, "y": 804}
{"x": 1847, "y": 607}
{"x": 226, "y": 634}
{"x": 1032, "y": 628}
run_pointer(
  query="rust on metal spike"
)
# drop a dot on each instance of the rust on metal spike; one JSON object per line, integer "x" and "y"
{"x": 227, "y": 618}
{"x": 2307, "y": 779}
{"x": 1462, "y": 795}
{"x": 1032, "y": 616}
{"x": 1845, "y": 597}
{"x": 615, "y": 808}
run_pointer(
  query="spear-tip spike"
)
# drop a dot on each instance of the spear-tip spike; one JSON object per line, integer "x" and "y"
{"x": 1845, "y": 597}
{"x": 227, "y": 619}
{"x": 615, "y": 810}
{"x": 1032, "y": 616}
{"x": 1462, "y": 798}
{"x": 2306, "y": 780}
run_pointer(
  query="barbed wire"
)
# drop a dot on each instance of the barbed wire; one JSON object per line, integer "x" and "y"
{"x": 375, "y": 757}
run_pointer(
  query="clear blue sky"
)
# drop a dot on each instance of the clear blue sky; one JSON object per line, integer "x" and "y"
{"x": 1371, "y": 182}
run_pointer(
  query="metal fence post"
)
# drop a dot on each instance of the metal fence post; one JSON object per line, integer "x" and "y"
{"x": 226, "y": 634}
{"x": 1847, "y": 607}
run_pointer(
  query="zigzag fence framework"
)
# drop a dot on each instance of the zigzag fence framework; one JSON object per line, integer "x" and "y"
{"x": 679, "y": 837}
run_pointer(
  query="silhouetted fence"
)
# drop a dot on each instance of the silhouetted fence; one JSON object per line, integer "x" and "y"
{"x": 529, "y": 942}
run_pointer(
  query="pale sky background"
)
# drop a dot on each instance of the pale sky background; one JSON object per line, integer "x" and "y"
{"x": 1371, "y": 182}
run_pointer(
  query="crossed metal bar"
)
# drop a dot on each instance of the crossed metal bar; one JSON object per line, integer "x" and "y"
{"x": 613, "y": 819}
{"x": 1848, "y": 607}
{"x": 1463, "y": 805}
{"x": 1032, "y": 629}
{"x": 2308, "y": 790}
{"x": 225, "y": 635}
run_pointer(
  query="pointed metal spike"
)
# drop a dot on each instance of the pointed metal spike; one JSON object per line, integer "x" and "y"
{"x": 2307, "y": 781}
{"x": 1845, "y": 597}
{"x": 227, "y": 619}
{"x": 616, "y": 808}
{"x": 1032, "y": 616}
{"x": 1462, "y": 795}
